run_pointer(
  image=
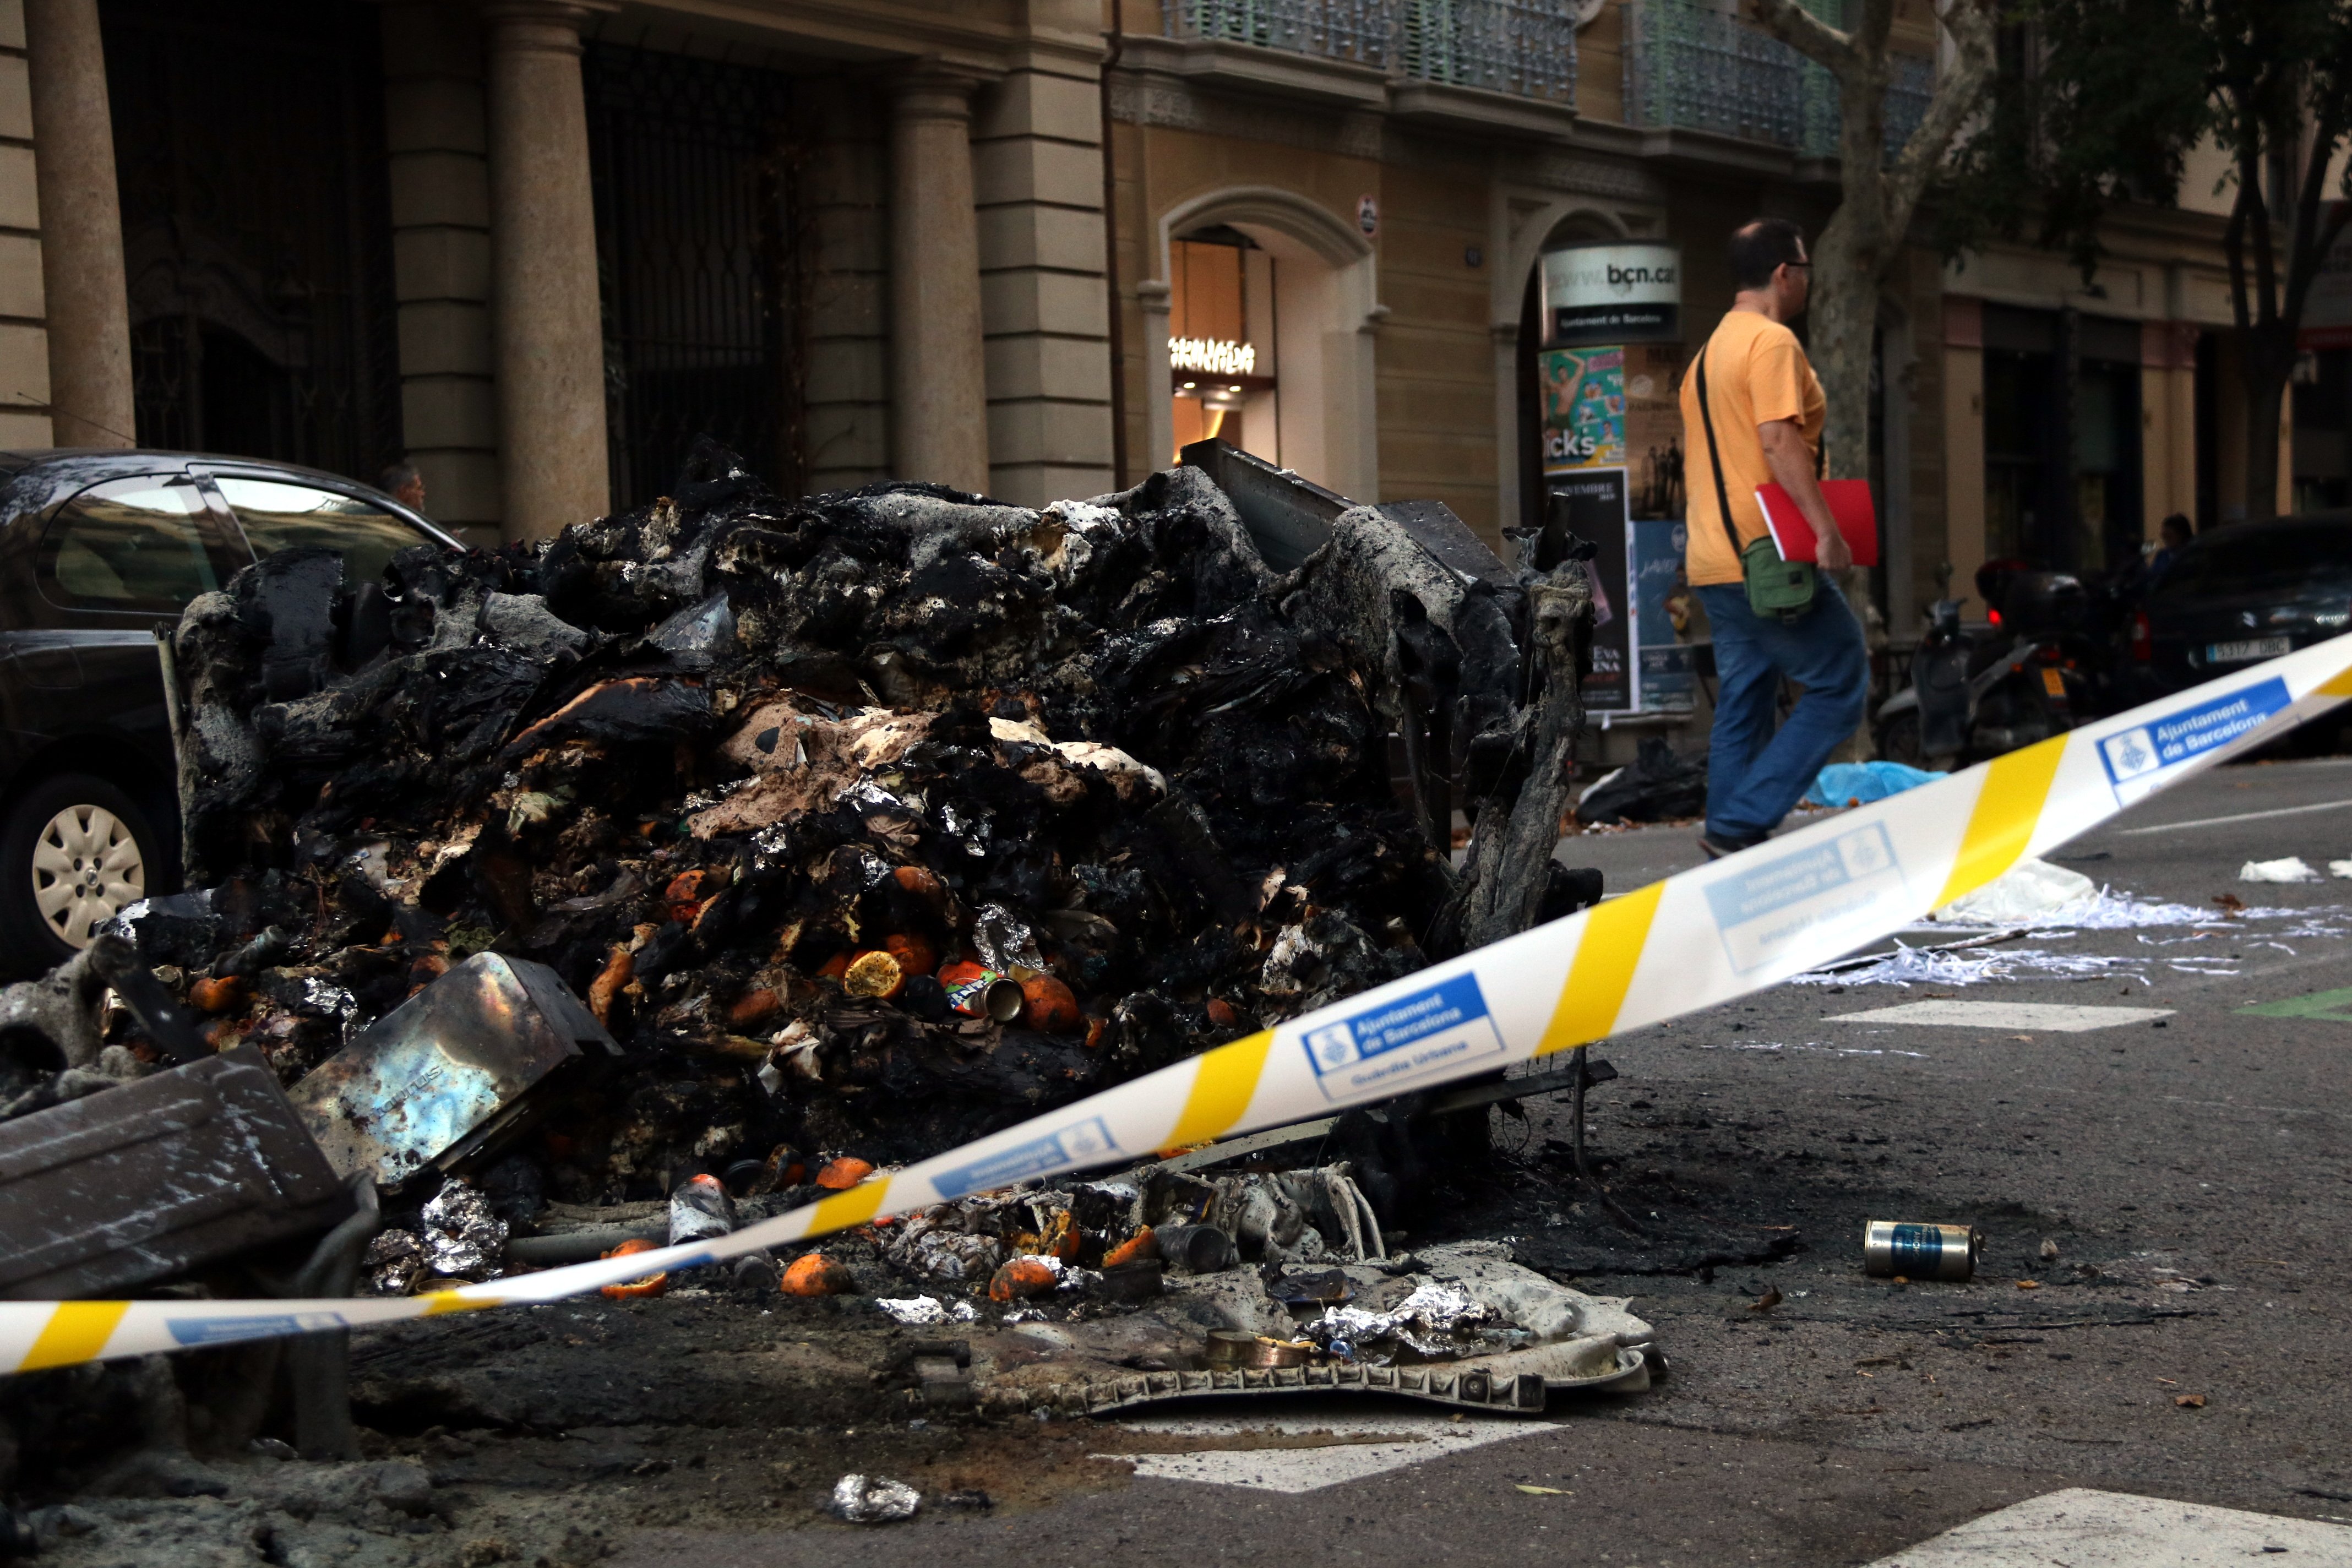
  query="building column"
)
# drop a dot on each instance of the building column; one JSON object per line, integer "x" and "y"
{"x": 939, "y": 378}
{"x": 1158, "y": 409}
{"x": 1964, "y": 444}
{"x": 1508, "y": 459}
{"x": 546, "y": 305}
{"x": 86, "y": 301}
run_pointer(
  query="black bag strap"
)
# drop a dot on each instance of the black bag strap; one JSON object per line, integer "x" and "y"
{"x": 1715, "y": 453}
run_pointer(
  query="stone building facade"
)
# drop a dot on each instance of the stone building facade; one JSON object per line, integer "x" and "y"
{"x": 536, "y": 245}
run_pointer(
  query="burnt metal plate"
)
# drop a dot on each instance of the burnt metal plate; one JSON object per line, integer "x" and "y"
{"x": 448, "y": 1071}
{"x": 134, "y": 1185}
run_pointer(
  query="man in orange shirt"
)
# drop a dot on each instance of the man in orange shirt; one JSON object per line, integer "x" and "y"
{"x": 1767, "y": 410}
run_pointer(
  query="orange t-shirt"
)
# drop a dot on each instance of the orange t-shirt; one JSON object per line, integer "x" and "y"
{"x": 1755, "y": 372}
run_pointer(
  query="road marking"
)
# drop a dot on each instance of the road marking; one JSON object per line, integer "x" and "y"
{"x": 2085, "y": 1529}
{"x": 2056, "y": 1018}
{"x": 1419, "y": 1439}
{"x": 2334, "y": 1005}
{"x": 2241, "y": 816}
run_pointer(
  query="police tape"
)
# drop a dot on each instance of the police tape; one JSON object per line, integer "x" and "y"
{"x": 1691, "y": 942}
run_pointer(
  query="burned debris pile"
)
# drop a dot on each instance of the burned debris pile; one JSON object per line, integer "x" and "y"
{"x": 861, "y": 825}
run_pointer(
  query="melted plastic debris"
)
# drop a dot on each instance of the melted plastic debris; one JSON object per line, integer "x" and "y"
{"x": 702, "y": 757}
{"x": 873, "y": 1499}
{"x": 2288, "y": 869}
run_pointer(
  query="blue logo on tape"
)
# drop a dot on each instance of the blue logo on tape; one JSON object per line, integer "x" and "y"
{"x": 1396, "y": 1042}
{"x": 2137, "y": 753}
{"x": 224, "y": 1331}
{"x": 1762, "y": 911}
{"x": 1084, "y": 1143}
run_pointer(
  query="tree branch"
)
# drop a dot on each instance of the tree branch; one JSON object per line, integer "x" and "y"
{"x": 1809, "y": 35}
{"x": 1959, "y": 94}
{"x": 2313, "y": 236}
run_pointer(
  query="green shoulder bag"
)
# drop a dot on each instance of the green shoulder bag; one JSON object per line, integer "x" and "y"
{"x": 1775, "y": 587}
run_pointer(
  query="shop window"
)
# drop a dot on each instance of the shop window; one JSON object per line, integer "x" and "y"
{"x": 1221, "y": 342}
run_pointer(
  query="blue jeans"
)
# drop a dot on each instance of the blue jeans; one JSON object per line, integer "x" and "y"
{"x": 1754, "y": 777}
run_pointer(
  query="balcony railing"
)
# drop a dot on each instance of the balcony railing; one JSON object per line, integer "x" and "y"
{"x": 1524, "y": 48}
{"x": 1689, "y": 66}
{"x": 1361, "y": 32}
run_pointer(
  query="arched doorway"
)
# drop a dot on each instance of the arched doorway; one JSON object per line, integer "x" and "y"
{"x": 1524, "y": 488}
{"x": 1283, "y": 269}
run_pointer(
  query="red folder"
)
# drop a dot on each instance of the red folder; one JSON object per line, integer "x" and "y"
{"x": 1849, "y": 503}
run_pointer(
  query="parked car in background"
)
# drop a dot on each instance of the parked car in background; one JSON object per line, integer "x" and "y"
{"x": 98, "y": 549}
{"x": 2237, "y": 594}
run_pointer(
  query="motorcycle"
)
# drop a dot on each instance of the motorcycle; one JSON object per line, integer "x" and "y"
{"x": 2030, "y": 672}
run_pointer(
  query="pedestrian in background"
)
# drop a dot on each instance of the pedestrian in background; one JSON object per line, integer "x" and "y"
{"x": 1752, "y": 413}
{"x": 404, "y": 484}
{"x": 2176, "y": 534}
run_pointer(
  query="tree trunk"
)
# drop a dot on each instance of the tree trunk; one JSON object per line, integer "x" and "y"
{"x": 1843, "y": 312}
{"x": 2268, "y": 359}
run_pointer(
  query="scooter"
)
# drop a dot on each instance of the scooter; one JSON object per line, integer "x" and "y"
{"x": 2028, "y": 674}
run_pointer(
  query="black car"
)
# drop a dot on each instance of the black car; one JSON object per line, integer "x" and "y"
{"x": 97, "y": 549}
{"x": 2238, "y": 594}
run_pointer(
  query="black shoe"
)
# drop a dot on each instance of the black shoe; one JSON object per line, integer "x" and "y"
{"x": 1717, "y": 848}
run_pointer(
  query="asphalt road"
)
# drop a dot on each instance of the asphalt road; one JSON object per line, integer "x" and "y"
{"x": 2192, "y": 1173}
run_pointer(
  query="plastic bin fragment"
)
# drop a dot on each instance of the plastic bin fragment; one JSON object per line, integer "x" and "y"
{"x": 449, "y": 1072}
{"x": 161, "y": 1174}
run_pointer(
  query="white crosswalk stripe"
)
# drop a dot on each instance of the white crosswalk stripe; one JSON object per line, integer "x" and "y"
{"x": 2079, "y": 1528}
{"x": 1231, "y": 1452}
{"x": 2054, "y": 1019}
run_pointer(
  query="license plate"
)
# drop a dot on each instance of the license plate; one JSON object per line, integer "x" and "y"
{"x": 2053, "y": 683}
{"x": 2247, "y": 651}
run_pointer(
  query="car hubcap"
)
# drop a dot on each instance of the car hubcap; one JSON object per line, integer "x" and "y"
{"x": 87, "y": 870}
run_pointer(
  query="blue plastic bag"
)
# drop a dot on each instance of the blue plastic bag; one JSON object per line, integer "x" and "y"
{"x": 1859, "y": 783}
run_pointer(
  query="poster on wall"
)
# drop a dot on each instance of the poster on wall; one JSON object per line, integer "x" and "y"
{"x": 1591, "y": 503}
{"x": 1666, "y": 612}
{"x": 1584, "y": 408}
{"x": 1654, "y": 428}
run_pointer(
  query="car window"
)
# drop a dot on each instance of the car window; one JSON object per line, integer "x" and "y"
{"x": 278, "y": 516}
{"x": 2277, "y": 556}
{"x": 127, "y": 544}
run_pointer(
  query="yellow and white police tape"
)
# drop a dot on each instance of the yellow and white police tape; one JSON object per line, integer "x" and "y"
{"x": 1691, "y": 942}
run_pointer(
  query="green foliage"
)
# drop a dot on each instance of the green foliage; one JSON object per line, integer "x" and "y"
{"x": 2100, "y": 101}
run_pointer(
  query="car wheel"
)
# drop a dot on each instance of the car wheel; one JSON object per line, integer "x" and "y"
{"x": 75, "y": 851}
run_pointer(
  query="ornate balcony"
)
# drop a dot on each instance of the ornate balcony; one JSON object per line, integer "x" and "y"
{"x": 1691, "y": 67}
{"x": 1519, "y": 48}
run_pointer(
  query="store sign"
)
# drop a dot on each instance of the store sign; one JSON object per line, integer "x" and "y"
{"x": 1211, "y": 356}
{"x": 1612, "y": 294}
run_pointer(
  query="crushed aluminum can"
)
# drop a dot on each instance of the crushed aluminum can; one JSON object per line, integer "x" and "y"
{"x": 1197, "y": 1248}
{"x": 448, "y": 1072}
{"x": 873, "y": 1499}
{"x": 1006, "y": 941}
{"x": 700, "y": 1210}
{"x": 462, "y": 1236}
{"x": 1942, "y": 1252}
{"x": 392, "y": 1261}
{"x": 978, "y": 992}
